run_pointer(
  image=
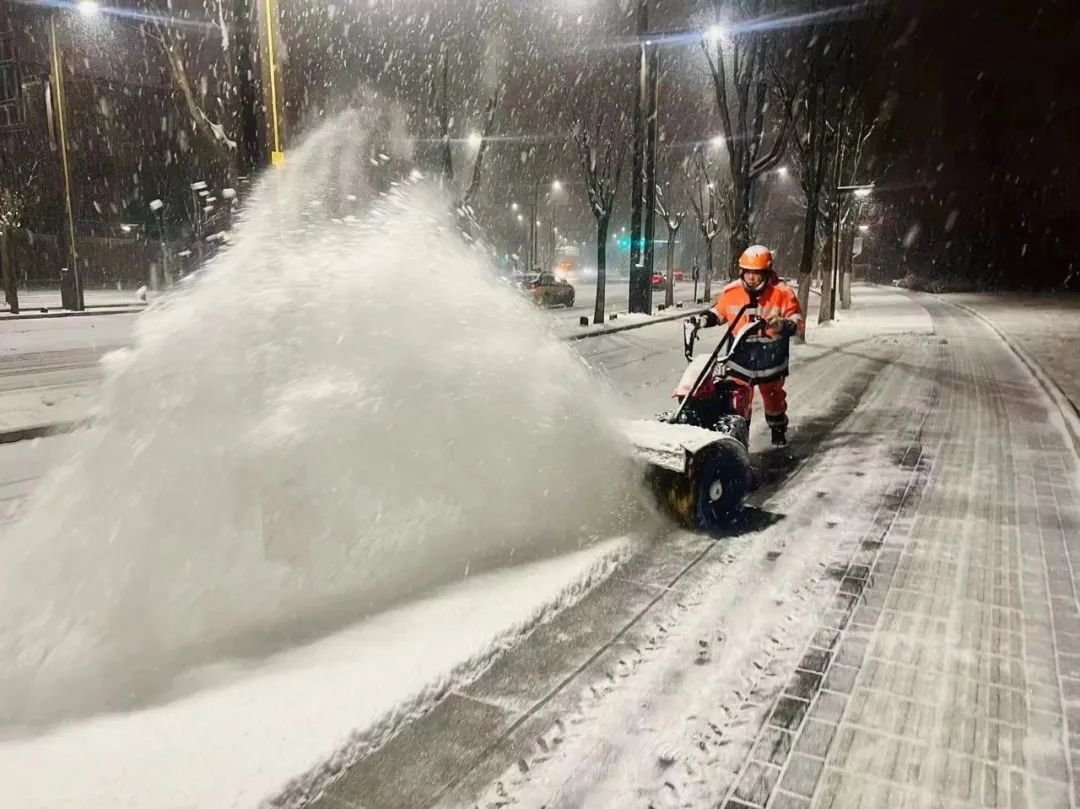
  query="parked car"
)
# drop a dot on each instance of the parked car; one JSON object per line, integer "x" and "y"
{"x": 658, "y": 280}
{"x": 680, "y": 275}
{"x": 547, "y": 290}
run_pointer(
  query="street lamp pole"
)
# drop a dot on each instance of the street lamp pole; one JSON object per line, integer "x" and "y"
{"x": 639, "y": 282}
{"x": 534, "y": 259}
{"x": 268, "y": 11}
{"x": 651, "y": 135}
{"x": 61, "y": 127}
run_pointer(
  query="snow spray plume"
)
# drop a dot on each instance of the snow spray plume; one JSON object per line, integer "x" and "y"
{"x": 344, "y": 410}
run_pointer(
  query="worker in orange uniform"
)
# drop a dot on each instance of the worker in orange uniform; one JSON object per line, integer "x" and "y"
{"x": 761, "y": 360}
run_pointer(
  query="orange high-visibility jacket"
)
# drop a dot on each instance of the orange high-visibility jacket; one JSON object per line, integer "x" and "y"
{"x": 762, "y": 357}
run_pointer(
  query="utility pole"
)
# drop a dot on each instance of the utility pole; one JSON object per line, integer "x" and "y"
{"x": 71, "y": 293}
{"x": 651, "y": 136}
{"x": 534, "y": 259}
{"x": 271, "y": 75}
{"x": 640, "y": 286}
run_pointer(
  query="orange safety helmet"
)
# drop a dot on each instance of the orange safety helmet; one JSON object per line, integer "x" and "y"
{"x": 756, "y": 257}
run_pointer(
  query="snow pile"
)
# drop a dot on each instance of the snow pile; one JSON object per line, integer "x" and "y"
{"x": 344, "y": 411}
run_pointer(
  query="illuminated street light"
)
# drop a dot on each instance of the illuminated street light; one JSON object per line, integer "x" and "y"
{"x": 782, "y": 171}
{"x": 715, "y": 33}
{"x": 717, "y": 142}
{"x": 514, "y": 207}
{"x": 475, "y": 139}
{"x": 521, "y": 218}
{"x": 88, "y": 8}
{"x": 556, "y": 185}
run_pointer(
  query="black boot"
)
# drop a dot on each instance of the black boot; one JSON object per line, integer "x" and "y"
{"x": 779, "y": 435}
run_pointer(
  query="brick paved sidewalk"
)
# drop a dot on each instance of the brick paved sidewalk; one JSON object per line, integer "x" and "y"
{"x": 955, "y": 681}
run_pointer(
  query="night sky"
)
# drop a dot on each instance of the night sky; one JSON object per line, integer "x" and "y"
{"x": 986, "y": 123}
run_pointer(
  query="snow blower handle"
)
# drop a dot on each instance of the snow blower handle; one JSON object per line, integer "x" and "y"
{"x": 711, "y": 362}
{"x": 690, "y": 328}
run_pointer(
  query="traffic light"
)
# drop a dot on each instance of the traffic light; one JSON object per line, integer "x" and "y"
{"x": 624, "y": 241}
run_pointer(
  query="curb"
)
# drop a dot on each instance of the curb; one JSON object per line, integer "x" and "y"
{"x": 1070, "y": 413}
{"x": 122, "y": 309}
{"x": 600, "y": 332}
{"x": 41, "y": 430}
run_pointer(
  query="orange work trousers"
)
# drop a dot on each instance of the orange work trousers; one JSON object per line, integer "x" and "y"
{"x": 774, "y": 397}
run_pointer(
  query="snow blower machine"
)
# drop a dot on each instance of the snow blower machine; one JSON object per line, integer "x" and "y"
{"x": 696, "y": 457}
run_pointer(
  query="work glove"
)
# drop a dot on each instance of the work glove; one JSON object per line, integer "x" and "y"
{"x": 787, "y": 328}
{"x": 783, "y": 327}
{"x": 705, "y": 320}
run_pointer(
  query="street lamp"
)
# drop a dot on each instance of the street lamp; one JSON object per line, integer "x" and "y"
{"x": 717, "y": 142}
{"x": 514, "y": 207}
{"x": 556, "y": 185}
{"x": 89, "y": 8}
{"x": 521, "y": 218}
{"x": 474, "y": 140}
{"x": 782, "y": 172}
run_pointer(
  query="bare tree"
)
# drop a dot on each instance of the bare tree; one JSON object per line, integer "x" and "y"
{"x": 179, "y": 50}
{"x": 601, "y": 157}
{"x": 446, "y": 140}
{"x": 855, "y": 131}
{"x": 18, "y": 180}
{"x": 673, "y": 215}
{"x": 808, "y": 101}
{"x": 709, "y": 205}
{"x": 742, "y": 101}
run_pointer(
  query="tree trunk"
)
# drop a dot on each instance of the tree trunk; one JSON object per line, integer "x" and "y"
{"x": 669, "y": 287}
{"x": 740, "y": 227}
{"x": 847, "y": 246}
{"x": 7, "y": 270}
{"x": 601, "y": 269}
{"x": 708, "y": 269}
{"x": 826, "y": 312}
{"x": 806, "y": 258}
{"x": 444, "y": 121}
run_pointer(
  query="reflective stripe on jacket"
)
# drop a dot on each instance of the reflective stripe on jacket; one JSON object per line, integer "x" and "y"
{"x": 764, "y": 356}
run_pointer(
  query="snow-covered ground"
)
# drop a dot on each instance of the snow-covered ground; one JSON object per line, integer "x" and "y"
{"x": 49, "y": 367}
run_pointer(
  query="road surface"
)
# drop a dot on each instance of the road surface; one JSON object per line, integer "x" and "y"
{"x": 896, "y": 625}
{"x": 617, "y": 299}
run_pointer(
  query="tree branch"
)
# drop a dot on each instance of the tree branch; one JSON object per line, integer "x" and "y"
{"x": 489, "y": 125}
{"x": 215, "y": 131}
